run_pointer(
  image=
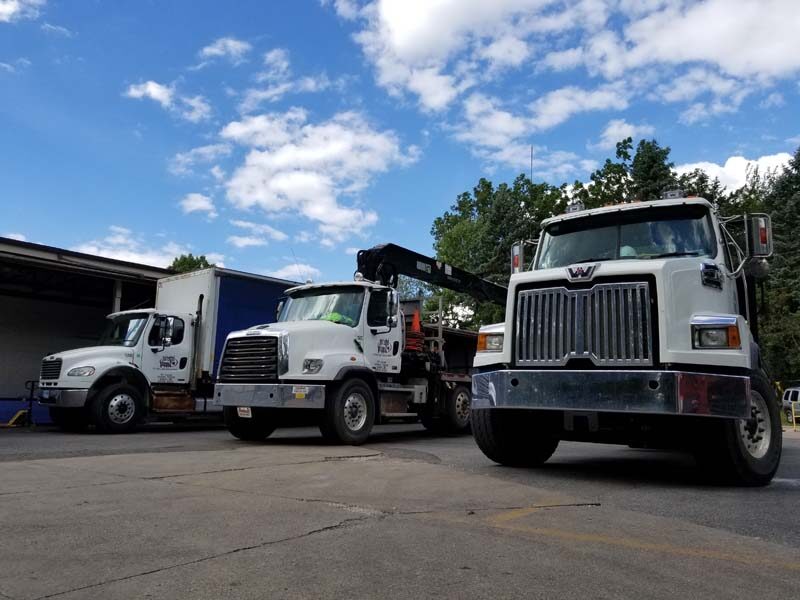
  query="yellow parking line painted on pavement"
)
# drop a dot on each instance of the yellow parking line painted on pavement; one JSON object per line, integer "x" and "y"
{"x": 505, "y": 521}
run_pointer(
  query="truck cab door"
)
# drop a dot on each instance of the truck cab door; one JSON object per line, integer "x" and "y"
{"x": 167, "y": 353}
{"x": 383, "y": 345}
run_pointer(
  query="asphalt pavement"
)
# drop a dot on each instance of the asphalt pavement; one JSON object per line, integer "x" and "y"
{"x": 189, "y": 512}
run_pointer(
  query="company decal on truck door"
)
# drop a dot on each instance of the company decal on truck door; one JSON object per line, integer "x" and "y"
{"x": 168, "y": 362}
{"x": 384, "y": 346}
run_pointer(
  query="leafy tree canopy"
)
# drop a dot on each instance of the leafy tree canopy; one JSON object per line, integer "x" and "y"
{"x": 186, "y": 263}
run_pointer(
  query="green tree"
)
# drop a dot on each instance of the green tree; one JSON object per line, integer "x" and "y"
{"x": 651, "y": 171}
{"x": 781, "y": 327}
{"x": 186, "y": 263}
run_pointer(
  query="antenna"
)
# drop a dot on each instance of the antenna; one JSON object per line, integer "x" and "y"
{"x": 531, "y": 163}
{"x": 297, "y": 264}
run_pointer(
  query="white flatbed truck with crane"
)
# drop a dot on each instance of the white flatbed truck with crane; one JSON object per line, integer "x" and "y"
{"x": 345, "y": 355}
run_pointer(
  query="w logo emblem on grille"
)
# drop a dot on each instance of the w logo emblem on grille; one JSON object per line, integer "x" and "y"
{"x": 580, "y": 272}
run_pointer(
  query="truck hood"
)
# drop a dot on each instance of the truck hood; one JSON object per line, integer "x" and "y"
{"x": 334, "y": 343}
{"x": 82, "y": 355}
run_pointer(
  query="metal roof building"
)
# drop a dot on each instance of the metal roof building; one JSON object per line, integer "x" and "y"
{"x": 53, "y": 299}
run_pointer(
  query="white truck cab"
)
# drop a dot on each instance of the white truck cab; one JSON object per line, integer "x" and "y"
{"x": 156, "y": 363}
{"x": 635, "y": 324}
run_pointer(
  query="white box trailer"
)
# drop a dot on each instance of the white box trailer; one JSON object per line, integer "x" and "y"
{"x": 158, "y": 362}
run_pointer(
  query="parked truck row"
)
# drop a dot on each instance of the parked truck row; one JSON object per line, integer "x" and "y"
{"x": 635, "y": 324}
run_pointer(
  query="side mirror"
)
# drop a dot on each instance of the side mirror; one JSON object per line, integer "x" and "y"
{"x": 759, "y": 236}
{"x": 517, "y": 257}
{"x": 391, "y": 321}
{"x": 279, "y": 309}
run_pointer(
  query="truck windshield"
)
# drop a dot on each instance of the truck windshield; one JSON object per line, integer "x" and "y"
{"x": 123, "y": 330}
{"x": 629, "y": 235}
{"x": 338, "y": 305}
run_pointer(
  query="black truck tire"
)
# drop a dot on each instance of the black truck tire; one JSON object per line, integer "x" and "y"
{"x": 744, "y": 452}
{"x": 117, "y": 409}
{"x": 511, "y": 437}
{"x": 255, "y": 429}
{"x": 349, "y": 412}
{"x": 457, "y": 409}
{"x": 69, "y": 419}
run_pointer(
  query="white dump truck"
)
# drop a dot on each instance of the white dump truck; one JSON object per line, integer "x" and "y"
{"x": 157, "y": 363}
{"x": 349, "y": 354}
{"x": 636, "y": 324}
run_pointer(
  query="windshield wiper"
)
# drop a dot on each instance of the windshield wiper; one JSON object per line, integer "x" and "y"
{"x": 590, "y": 260}
{"x": 670, "y": 254}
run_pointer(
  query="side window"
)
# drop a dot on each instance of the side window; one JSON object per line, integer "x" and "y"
{"x": 377, "y": 310}
{"x": 794, "y": 395}
{"x": 168, "y": 328}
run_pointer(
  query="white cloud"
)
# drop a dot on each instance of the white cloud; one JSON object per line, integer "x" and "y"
{"x": 226, "y": 47}
{"x": 7, "y": 67}
{"x": 304, "y": 168}
{"x": 277, "y": 65}
{"x": 261, "y": 229}
{"x": 217, "y": 172}
{"x": 559, "y": 105}
{"x": 123, "y": 244}
{"x": 183, "y": 162}
{"x": 277, "y": 77}
{"x": 352, "y": 251}
{"x": 57, "y": 30}
{"x": 733, "y": 173}
{"x": 506, "y": 51}
{"x": 16, "y": 236}
{"x": 617, "y": 130}
{"x": 195, "y": 109}
{"x": 346, "y": 9}
{"x": 16, "y": 10}
{"x": 163, "y": 94}
{"x": 215, "y": 258}
{"x": 246, "y": 241}
{"x": 296, "y": 272}
{"x": 191, "y": 108}
{"x": 774, "y": 100}
{"x": 195, "y": 202}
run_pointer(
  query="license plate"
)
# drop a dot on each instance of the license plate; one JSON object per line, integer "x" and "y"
{"x": 300, "y": 391}
{"x": 45, "y": 393}
{"x": 244, "y": 412}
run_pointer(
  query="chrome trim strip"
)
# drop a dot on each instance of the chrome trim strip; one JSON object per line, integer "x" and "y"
{"x": 270, "y": 395}
{"x": 646, "y": 392}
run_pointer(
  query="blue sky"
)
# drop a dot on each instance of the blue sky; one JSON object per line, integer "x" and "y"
{"x": 277, "y": 137}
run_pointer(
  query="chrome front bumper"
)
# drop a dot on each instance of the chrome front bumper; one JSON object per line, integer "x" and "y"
{"x": 270, "y": 395}
{"x": 647, "y": 392}
{"x": 63, "y": 398}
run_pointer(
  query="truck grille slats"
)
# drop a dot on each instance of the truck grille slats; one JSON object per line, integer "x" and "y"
{"x": 610, "y": 324}
{"x": 253, "y": 359}
{"x": 51, "y": 369}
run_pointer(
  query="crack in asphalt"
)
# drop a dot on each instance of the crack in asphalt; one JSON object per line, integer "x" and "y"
{"x": 340, "y": 525}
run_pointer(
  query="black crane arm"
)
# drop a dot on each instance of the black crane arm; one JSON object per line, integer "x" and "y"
{"x": 385, "y": 262}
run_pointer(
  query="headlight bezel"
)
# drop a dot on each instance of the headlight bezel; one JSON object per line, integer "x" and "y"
{"x": 83, "y": 371}
{"x": 716, "y": 337}
{"x": 312, "y": 366}
{"x": 491, "y": 342}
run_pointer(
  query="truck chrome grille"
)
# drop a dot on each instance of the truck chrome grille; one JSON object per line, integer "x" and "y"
{"x": 51, "y": 369}
{"x": 250, "y": 359}
{"x": 610, "y": 324}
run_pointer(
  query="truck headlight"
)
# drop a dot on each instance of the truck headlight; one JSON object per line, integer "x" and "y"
{"x": 716, "y": 337}
{"x": 312, "y": 366}
{"x": 490, "y": 342}
{"x": 81, "y": 372}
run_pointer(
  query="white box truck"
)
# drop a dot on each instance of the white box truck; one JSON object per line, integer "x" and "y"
{"x": 157, "y": 363}
{"x": 636, "y": 324}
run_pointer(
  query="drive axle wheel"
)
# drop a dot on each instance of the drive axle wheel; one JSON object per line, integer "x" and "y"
{"x": 459, "y": 402}
{"x": 349, "y": 413}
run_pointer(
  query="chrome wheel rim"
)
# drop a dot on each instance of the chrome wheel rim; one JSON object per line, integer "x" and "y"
{"x": 462, "y": 406}
{"x": 756, "y": 432}
{"x": 355, "y": 411}
{"x": 121, "y": 409}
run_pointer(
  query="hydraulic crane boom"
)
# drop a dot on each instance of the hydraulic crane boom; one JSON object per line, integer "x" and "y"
{"x": 385, "y": 262}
